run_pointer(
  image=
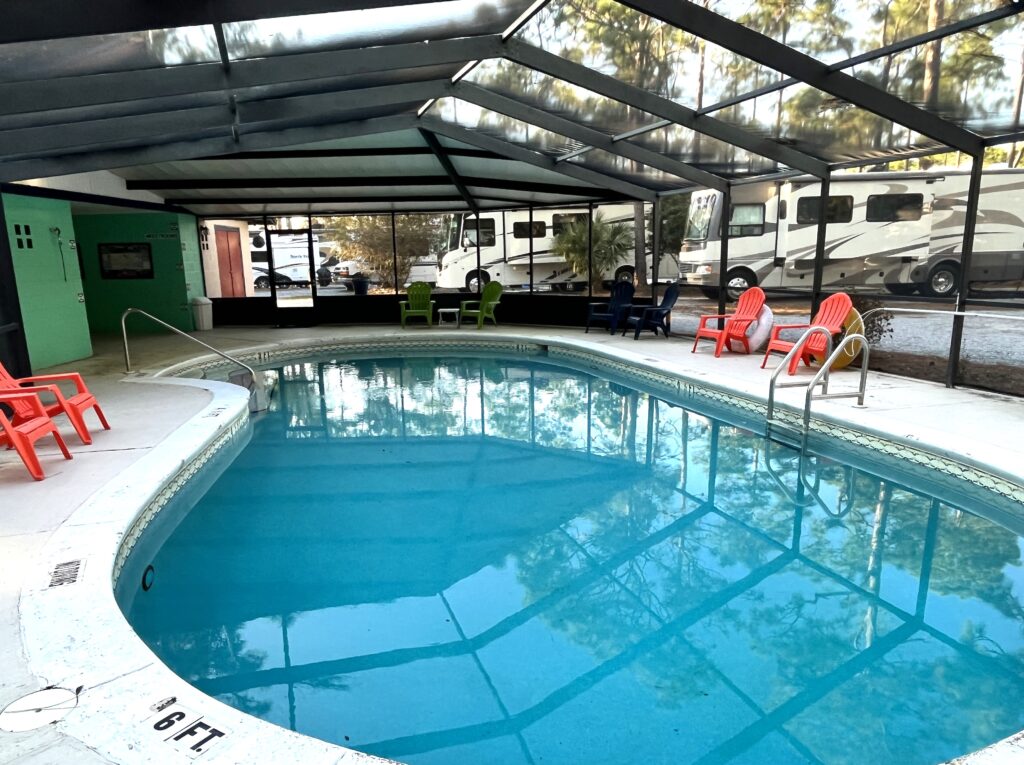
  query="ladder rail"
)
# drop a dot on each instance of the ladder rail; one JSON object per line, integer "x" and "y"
{"x": 823, "y": 372}
{"x": 259, "y": 393}
{"x": 797, "y": 346}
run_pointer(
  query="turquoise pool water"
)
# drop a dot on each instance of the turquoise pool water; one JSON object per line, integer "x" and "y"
{"x": 483, "y": 560}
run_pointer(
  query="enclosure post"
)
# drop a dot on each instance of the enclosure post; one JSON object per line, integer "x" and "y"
{"x": 970, "y": 221}
{"x": 655, "y": 247}
{"x": 479, "y": 276}
{"x": 309, "y": 257}
{"x": 394, "y": 250}
{"x": 723, "y": 259}
{"x": 530, "y": 225}
{"x": 590, "y": 249}
{"x": 270, "y": 262}
{"x": 819, "y": 247}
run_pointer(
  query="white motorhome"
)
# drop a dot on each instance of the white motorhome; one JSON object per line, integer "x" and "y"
{"x": 505, "y": 241}
{"x": 290, "y": 252}
{"x": 902, "y": 232}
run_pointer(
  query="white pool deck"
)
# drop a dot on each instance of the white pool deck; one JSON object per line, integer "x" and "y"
{"x": 155, "y": 421}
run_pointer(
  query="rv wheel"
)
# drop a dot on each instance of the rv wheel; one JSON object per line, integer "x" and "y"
{"x": 738, "y": 281}
{"x": 943, "y": 280}
{"x": 475, "y": 280}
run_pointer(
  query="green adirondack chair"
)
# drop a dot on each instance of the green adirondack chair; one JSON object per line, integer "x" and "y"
{"x": 418, "y": 304}
{"x": 485, "y": 306}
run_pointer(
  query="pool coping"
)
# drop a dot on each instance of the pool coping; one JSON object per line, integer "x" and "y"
{"x": 76, "y": 637}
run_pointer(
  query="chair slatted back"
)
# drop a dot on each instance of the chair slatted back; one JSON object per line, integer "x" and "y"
{"x": 419, "y": 296}
{"x": 622, "y": 294}
{"x": 491, "y": 294}
{"x": 748, "y": 308}
{"x": 22, "y": 409}
{"x": 670, "y": 297}
{"x": 831, "y": 314}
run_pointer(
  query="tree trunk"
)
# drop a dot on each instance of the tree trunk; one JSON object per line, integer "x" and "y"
{"x": 932, "y": 66}
{"x": 1014, "y": 156}
{"x": 639, "y": 246}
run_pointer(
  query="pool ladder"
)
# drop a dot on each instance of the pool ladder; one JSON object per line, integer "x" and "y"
{"x": 821, "y": 378}
{"x": 258, "y": 396}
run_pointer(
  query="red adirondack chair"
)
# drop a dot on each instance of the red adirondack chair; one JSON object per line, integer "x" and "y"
{"x": 73, "y": 406}
{"x": 736, "y": 324}
{"x": 24, "y": 435}
{"x": 831, "y": 315}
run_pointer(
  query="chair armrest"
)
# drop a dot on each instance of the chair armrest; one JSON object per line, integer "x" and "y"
{"x": 29, "y": 396}
{"x": 36, "y": 390}
{"x": 74, "y": 377}
{"x": 465, "y": 305}
{"x": 780, "y": 327}
{"x": 705, "y": 318}
{"x": 403, "y": 304}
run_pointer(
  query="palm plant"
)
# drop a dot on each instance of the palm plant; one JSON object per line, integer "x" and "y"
{"x": 609, "y": 242}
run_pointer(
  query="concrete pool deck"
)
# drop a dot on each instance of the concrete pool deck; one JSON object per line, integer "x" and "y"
{"x": 978, "y": 427}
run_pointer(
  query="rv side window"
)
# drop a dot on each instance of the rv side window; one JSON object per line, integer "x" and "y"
{"x": 561, "y": 222}
{"x": 894, "y": 207}
{"x": 839, "y": 210}
{"x": 521, "y": 230}
{"x": 746, "y": 220}
{"x": 486, "y": 232}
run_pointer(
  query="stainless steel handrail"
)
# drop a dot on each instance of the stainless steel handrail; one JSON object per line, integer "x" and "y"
{"x": 259, "y": 394}
{"x": 823, "y": 372}
{"x": 785, "y": 363}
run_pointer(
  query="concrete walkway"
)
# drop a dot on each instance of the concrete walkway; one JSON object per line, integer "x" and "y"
{"x": 981, "y": 427}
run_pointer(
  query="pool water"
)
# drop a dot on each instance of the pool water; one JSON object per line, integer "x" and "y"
{"x": 484, "y": 560}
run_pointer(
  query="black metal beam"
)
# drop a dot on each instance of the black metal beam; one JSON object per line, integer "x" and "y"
{"x": 327, "y": 199}
{"x": 517, "y": 110}
{"x": 530, "y": 157}
{"x": 189, "y": 79}
{"x": 176, "y": 148}
{"x": 563, "y": 69}
{"x": 966, "y": 250}
{"x": 31, "y": 20}
{"x": 369, "y": 151}
{"x": 357, "y": 181}
{"x": 44, "y": 192}
{"x": 449, "y": 168}
{"x": 746, "y": 42}
{"x": 194, "y": 123}
{"x": 321, "y": 106}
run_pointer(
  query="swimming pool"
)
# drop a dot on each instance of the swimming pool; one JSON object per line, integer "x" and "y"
{"x": 464, "y": 559}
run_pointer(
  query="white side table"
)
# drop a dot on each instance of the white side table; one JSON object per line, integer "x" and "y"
{"x": 452, "y": 316}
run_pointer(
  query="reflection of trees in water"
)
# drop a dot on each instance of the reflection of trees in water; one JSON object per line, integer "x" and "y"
{"x": 214, "y": 652}
{"x": 627, "y": 566}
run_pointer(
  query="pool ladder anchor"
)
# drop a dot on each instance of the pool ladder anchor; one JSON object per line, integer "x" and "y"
{"x": 821, "y": 378}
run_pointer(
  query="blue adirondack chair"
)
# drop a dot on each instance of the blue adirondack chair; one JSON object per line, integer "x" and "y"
{"x": 610, "y": 312}
{"x": 654, "y": 317}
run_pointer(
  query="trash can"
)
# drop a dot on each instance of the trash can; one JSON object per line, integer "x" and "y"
{"x": 360, "y": 284}
{"x": 202, "y": 313}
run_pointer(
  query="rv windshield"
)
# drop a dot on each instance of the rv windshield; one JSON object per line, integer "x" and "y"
{"x": 699, "y": 223}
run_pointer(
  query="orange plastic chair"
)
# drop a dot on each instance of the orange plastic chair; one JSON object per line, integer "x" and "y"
{"x": 736, "y": 324}
{"x": 831, "y": 315}
{"x": 73, "y": 406}
{"x": 24, "y": 435}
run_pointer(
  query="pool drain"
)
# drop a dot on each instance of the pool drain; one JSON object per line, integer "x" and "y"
{"x": 37, "y": 709}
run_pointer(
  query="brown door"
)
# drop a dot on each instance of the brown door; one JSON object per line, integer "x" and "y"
{"x": 229, "y": 260}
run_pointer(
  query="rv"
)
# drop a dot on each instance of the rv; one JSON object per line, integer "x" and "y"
{"x": 291, "y": 256}
{"x": 505, "y": 241}
{"x": 901, "y": 232}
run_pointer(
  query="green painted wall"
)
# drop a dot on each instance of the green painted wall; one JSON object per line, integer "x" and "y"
{"x": 175, "y": 250}
{"x": 49, "y": 280}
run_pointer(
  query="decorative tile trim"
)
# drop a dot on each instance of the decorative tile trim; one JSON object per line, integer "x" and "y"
{"x": 669, "y": 384}
{"x": 171, "y": 488}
